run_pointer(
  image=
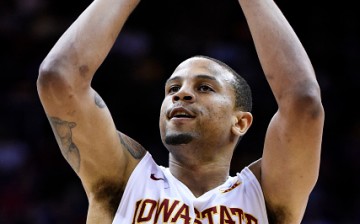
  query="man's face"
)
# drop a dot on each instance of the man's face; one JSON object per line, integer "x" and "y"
{"x": 198, "y": 105}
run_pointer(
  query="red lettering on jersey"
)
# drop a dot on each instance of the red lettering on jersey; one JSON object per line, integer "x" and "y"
{"x": 165, "y": 210}
{"x": 198, "y": 217}
{"x": 238, "y": 213}
{"x": 208, "y": 213}
{"x": 225, "y": 216}
{"x": 174, "y": 211}
{"x": 146, "y": 210}
{"x": 183, "y": 213}
{"x": 250, "y": 219}
{"x": 136, "y": 210}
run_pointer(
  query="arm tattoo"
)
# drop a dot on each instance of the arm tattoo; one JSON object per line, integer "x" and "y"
{"x": 63, "y": 135}
{"x": 135, "y": 149}
{"x": 99, "y": 101}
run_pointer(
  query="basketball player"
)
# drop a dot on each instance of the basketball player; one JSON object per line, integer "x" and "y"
{"x": 205, "y": 112}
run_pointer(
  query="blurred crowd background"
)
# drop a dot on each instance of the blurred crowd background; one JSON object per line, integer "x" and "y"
{"x": 37, "y": 186}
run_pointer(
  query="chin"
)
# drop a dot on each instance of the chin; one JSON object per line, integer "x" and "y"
{"x": 178, "y": 139}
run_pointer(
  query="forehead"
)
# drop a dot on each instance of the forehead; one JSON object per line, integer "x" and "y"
{"x": 200, "y": 68}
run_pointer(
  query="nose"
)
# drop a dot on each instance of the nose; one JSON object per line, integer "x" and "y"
{"x": 183, "y": 95}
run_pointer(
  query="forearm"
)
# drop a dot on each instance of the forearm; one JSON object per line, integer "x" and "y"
{"x": 86, "y": 43}
{"x": 281, "y": 54}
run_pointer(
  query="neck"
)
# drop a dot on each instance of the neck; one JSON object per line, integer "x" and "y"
{"x": 200, "y": 176}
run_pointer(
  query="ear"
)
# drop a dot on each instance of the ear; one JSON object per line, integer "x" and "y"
{"x": 241, "y": 122}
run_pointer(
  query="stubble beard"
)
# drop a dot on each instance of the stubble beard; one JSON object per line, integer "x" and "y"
{"x": 178, "y": 139}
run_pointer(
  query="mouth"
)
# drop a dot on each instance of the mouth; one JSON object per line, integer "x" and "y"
{"x": 179, "y": 112}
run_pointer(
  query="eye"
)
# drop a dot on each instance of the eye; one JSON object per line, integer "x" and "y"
{"x": 205, "y": 88}
{"x": 174, "y": 89}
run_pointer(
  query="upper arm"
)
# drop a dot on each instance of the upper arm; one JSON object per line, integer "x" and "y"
{"x": 291, "y": 156}
{"x": 86, "y": 133}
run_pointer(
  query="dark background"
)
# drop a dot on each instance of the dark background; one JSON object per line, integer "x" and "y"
{"x": 36, "y": 183}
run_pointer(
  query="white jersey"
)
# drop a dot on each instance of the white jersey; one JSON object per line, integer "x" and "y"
{"x": 153, "y": 195}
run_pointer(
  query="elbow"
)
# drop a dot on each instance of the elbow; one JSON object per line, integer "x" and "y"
{"x": 311, "y": 106}
{"x": 57, "y": 76}
{"x": 56, "y": 83}
{"x": 305, "y": 101}
{"x": 49, "y": 77}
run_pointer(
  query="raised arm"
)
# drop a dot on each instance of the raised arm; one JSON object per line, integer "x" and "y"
{"x": 102, "y": 157}
{"x": 289, "y": 167}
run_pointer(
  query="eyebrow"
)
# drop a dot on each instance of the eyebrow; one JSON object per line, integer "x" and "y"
{"x": 200, "y": 76}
